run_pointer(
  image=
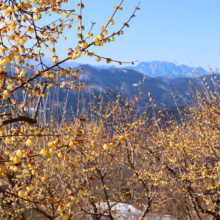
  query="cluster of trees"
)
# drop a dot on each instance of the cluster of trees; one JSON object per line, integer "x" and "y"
{"x": 85, "y": 166}
{"x": 114, "y": 154}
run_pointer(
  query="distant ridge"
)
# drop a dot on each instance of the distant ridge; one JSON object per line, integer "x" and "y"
{"x": 152, "y": 69}
{"x": 127, "y": 81}
{"x": 165, "y": 69}
{"x": 107, "y": 82}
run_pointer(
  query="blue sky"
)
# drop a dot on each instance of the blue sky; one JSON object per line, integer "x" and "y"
{"x": 182, "y": 31}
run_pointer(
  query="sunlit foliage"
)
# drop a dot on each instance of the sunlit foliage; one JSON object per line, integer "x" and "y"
{"x": 81, "y": 167}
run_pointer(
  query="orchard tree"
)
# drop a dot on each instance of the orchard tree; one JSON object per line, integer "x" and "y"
{"x": 19, "y": 22}
{"x": 43, "y": 169}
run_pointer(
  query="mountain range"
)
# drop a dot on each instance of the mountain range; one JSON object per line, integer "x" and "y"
{"x": 153, "y": 69}
{"x": 162, "y": 69}
{"x": 112, "y": 80}
{"x": 165, "y": 69}
{"x": 126, "y": 81}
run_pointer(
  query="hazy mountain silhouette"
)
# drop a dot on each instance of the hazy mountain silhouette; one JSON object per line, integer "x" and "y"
{"x": 153, "y": 69}
{"x": 106, "y": 81}
{"x": 165, "y": 69}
